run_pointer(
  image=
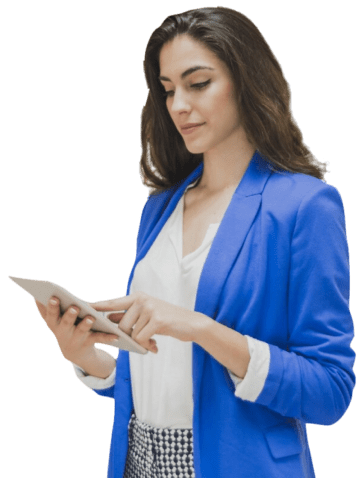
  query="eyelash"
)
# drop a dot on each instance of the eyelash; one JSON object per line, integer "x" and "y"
{"x": 198, "y": 86}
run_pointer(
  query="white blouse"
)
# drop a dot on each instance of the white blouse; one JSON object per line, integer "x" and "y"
{"x": 162, "y": 383}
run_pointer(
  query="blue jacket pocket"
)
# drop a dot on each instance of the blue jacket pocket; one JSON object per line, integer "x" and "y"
{"x": 283, "y": 440}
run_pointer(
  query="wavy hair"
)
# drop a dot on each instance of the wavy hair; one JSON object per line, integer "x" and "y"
{"x": 263, "y": 95}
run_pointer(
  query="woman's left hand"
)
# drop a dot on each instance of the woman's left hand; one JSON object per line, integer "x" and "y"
{"x": 146, "y": 315}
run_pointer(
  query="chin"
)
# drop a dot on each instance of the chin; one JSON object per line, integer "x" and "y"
{"x": 195, "y": 151}
{"x": 195, "y": 148}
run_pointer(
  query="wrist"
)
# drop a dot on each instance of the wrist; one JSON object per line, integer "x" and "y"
{"x": 97, "y": 363}
{"x": 202, "y": 324}
{"x": 225, "y": 344}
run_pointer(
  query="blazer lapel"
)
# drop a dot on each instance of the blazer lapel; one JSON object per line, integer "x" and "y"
{"x": 161, "y": 207}
{"x": 229, "y": 240}
{"x": 231, "y": 234}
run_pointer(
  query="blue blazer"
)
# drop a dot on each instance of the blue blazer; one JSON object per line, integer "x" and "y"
{"x": 277, "y": 270}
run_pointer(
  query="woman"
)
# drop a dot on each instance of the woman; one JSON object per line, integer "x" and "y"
{"x": 241, "y": 271}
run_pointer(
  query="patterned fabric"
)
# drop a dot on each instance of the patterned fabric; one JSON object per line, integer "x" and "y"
{"x": 158, "y": 452}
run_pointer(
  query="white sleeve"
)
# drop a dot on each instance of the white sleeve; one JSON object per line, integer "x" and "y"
{"x": 249, "y": 387}
{"x": 95, "y": 383}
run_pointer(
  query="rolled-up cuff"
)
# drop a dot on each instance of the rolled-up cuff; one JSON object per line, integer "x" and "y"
{"x": 249, "y": 387}
{"x": 95, "y": 383}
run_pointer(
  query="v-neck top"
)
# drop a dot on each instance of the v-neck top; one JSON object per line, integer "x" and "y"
{"x": 175, "y": 234}
{"x": 162, "y": 383}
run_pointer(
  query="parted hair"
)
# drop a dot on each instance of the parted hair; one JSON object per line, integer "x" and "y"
{"x": 262, "y": 92}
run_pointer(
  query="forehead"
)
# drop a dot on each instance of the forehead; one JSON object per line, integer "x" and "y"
{"x": 183, "y": 52}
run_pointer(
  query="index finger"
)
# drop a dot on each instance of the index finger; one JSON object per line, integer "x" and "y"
{"x": 122, "y": 303}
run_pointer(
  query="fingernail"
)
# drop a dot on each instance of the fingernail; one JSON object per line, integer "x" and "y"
{"x": 73, "y": 310}
{"x": 53, "y": 301}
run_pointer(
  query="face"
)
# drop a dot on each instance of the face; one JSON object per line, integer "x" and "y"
{"x": 203, "y": 95}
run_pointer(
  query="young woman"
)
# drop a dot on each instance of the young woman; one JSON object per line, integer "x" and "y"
{"x": 241, "y": 271}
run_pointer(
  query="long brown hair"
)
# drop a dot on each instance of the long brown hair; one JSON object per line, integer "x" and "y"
{"x": 262, "y": 91}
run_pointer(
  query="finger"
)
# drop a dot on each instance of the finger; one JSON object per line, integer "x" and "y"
{"x": 130, "y": 318}
{"x": 85, "y": 325}
{"x": 143, "y": 334}
{"x": 153, "y": 345}
{"x": 68, "y": 319}
{"x": 150, "y": 345}
{"x": 103, "y": 338}
{"x": 84, "y": 328}
{"x": 128, "y": 329}
{"x": 106, "y": 305}
{"x": 52, "y": 317}
{"x": 139, "y": 325}
{"x": 116, "y": 317}
{"x": 121, "y": 303}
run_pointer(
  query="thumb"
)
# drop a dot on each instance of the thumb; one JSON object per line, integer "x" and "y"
{"x": 116, "y": 317}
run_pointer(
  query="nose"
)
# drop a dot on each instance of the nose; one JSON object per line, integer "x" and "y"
{"x": 179, "y": 102}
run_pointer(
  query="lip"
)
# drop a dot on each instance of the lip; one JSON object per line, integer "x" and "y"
{"x": 189, "y": 128}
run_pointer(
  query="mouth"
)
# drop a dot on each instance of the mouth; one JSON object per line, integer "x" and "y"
{"x": 191, "y": 129}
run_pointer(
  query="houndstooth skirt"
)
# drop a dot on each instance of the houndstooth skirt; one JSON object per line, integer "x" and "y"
{"x": 158, "y": 452}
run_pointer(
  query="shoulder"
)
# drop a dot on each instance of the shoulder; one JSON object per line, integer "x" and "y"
{"x": 294, "y": 190}
{"x": 295, "y": 199}
{"x": 153, "y": 209}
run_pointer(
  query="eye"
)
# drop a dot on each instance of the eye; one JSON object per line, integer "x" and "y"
{"x": 200, "y": 86}
{"x": 197, "y": 86}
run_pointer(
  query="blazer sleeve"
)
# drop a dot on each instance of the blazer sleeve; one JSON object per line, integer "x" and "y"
{"x": 313, "y": 379}
{"x": 102, "y": 386}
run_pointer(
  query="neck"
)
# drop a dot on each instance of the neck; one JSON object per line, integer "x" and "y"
{"x": 225, "y": 165}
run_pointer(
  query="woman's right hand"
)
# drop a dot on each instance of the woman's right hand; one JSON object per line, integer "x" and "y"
{"x": 75, "y": 341}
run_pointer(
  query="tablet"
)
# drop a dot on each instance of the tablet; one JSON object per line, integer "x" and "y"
{"x": 42, "y": 291}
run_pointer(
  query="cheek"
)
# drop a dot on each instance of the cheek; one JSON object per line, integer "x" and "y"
{"x": 224, "y": 98}
{"x": 214, "y": 105}
{"x": 230, "y": 104}
{"x": 229, "y": 90}
{"x": 223, "y": 106}
{"x": 229, "y": 97}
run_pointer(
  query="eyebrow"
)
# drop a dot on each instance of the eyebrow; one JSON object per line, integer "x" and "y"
{"x": 187, "y": 72}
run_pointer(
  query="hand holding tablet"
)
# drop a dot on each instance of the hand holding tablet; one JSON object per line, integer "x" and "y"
{"x": 43, "y": 291}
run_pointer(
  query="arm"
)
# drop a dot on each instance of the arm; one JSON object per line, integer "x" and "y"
{"x": 246, "y": 358}
{"x": 226, "y": 345}
{"x": 99, "y": 364}
{"x": 102, "y": 386}
{"x": 312, "y": 378}
{"x": 98, "y": 374}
